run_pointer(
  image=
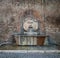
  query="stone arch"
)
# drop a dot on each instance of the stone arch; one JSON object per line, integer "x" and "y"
{"x": 33, "y": 12}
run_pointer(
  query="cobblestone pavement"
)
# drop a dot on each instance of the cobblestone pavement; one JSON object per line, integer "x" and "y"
{"x": 29, "y": 55}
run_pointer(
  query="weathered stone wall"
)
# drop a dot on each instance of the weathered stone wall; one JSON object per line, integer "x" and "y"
{"x": 52, "y": 16}
{"x": 47, "y": 11}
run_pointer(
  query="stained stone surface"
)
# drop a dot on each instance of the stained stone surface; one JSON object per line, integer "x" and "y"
{"x": 10, "y": 15}
{"x": 12, "y": 47}
{"x": 10, "y": 12}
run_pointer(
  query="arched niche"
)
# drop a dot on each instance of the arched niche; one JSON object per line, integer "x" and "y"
{"x": 31, "y": 21}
